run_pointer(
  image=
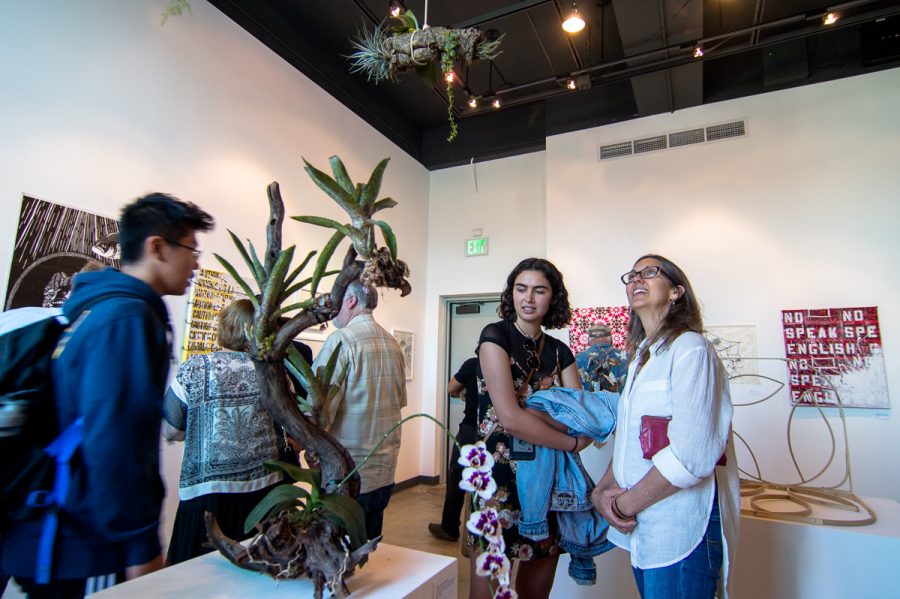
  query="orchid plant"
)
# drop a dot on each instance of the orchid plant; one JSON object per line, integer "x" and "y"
{"x": 476, "y": 478}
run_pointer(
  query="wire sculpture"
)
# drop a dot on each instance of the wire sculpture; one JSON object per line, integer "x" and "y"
{"x": 763, "y": 493}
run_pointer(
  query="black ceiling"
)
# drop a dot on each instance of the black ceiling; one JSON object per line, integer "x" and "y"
{"x": 634, "y": 58}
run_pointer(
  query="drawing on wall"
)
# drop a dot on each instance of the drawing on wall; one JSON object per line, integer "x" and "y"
{"x": 405, "y": 339}
{"x": 54, "y": 242}
{"x": 615, "y": 317}
{"x": 211, "y": 291}
{"x": 842, "y": 345}
{"x": 736, "y": 347}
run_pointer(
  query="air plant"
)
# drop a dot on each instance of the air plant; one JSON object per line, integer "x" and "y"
{"x": 388, "y": 51}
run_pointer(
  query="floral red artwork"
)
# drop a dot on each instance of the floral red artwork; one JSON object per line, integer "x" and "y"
{"x": 615, "y": 317}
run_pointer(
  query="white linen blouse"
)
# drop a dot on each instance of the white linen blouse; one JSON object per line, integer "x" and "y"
{"x": 687, "y": 382}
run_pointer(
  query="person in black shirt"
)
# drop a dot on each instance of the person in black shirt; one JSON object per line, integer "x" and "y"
{"x": 463, "y": 385}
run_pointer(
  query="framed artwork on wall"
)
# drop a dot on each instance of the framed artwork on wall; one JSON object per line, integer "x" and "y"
{"x": 406, "y": 340}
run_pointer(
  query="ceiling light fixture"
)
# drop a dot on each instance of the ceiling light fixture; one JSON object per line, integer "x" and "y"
{"x": 698, "y": 52}
{"x": 830, "y": 18}
{"x": 573, "y": 23}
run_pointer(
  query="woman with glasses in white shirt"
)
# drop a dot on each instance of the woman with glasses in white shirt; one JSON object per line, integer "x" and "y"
{"x": 671, "y": 493}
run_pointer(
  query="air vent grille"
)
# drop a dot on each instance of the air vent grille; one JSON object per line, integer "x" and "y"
{"x": 672, "y": 140}
{"x": 686, "y": 138}
{"x": 648, "y": 144}
{"x": 615, "y": 150}
{"x": 725, "y": 131}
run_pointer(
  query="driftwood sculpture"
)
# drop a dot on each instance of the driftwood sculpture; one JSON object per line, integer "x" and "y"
{"x": 317, "y": 533}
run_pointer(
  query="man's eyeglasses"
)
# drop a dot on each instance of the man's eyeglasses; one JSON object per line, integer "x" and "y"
{"x": 197, "y": 252}
{"x": 533, "y": 359}
{"x": 648, "y": 272}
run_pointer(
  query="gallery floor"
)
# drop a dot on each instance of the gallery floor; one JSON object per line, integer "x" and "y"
{"x": 406, "y": 525}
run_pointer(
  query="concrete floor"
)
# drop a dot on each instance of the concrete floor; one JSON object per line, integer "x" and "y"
{"x": 406, "y": 525}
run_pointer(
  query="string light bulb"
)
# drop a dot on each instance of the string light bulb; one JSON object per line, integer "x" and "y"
{"x": 570, "y": 84}
{"x": 395, "y": 8}
{"x": 698, "y": 52}
{"x": 449, "y": 76}
{"x": 473, "y": 102}
{"x": 830, "y": 18}
{"x": 573, "y": 23}
{"x": 496, "y": 103}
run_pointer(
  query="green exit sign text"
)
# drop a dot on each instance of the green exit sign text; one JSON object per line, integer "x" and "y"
{"x": 477, "y": 246}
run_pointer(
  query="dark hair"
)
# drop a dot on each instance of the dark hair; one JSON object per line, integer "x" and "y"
{"x": 682, "y": 314}
{"x": 157, "y": 214}
{"x": 559, "y": 314}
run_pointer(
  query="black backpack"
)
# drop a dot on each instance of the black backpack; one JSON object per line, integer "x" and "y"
{"x": 34, "y": 471}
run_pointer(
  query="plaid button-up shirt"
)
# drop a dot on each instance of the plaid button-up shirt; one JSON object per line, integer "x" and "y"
{"x": 369, "y": 402}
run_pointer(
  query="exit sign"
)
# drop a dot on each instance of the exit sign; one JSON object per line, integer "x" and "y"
{"x": 477, "y": 246}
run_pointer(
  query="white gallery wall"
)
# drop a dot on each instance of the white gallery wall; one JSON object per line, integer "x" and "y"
{"x": 802, "y": 212}
{"x": 101, "y": 104}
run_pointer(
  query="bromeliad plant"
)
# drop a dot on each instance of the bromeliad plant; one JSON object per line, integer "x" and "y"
{"x": 403, "y": 46}
{"x": 324, "y": 539}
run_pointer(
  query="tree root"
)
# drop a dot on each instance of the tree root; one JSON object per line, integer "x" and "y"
{"x": 319, "y": 550}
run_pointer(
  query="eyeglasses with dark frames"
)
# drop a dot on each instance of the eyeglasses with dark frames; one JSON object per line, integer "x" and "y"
{"x": 196, "y": 251}
{"x": 533, "y": 359}
{"x": 648, "y": 272}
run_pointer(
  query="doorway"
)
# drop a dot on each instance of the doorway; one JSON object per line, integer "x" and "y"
{"x": 465, "y": 318}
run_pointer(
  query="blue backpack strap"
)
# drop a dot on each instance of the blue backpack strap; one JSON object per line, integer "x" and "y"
{"x": 61, "y": 449}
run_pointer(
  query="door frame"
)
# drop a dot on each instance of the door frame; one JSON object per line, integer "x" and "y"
{"x": 445, "y": 369}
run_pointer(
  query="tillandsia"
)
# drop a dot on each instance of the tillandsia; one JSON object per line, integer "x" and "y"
{"x": 391, "y": 49}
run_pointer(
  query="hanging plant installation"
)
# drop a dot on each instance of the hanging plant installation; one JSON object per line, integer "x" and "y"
{"x": 388, "y": 51}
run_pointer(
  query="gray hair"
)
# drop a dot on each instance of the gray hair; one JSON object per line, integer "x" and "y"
{"x": 366, "y": 295}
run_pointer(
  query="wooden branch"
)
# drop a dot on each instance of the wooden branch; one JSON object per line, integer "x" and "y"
{"x": 273, "y": 229}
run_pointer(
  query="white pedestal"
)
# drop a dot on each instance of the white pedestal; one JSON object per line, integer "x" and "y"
{"x": 806, "y": 561}
{"x": 391, "y": 573}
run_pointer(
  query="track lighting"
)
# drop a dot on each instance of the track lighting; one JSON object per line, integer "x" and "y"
{"x": 573, "y": 23}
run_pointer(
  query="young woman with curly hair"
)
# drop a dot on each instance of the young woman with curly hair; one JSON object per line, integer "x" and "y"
{"x": 516, "y": 357}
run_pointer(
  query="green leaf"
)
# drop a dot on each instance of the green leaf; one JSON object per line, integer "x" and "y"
{"x": 298, "y": 306}
{"x": 383, "y": 203}
{"x": 230, "y": 269}
{"x": 349, "y": 514}
{"x": 297, "y": 365}
{"x": 280, "y": 498}
{"x": 298, "y": 474}
{"x": 340, "y": 174}
{"x": 373, "y": 187}
{"x": 296, "y": 272}
{"x": 324, "y": 222}
{"x": 330, "y": 365}
{"x": 257, "y": 265}
{"x": 331, "y": 188}
{"x": 324, "y": 257}
{"x": 272, "y": 292}
{"x": 259, "y": 275}
{"x": 390, "y": 240}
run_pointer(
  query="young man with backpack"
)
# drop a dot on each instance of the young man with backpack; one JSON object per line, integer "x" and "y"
{"x": 110, "y": 370}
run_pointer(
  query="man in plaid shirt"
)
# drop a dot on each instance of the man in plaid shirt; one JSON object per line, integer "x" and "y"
{"x": 369, "y": 401}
